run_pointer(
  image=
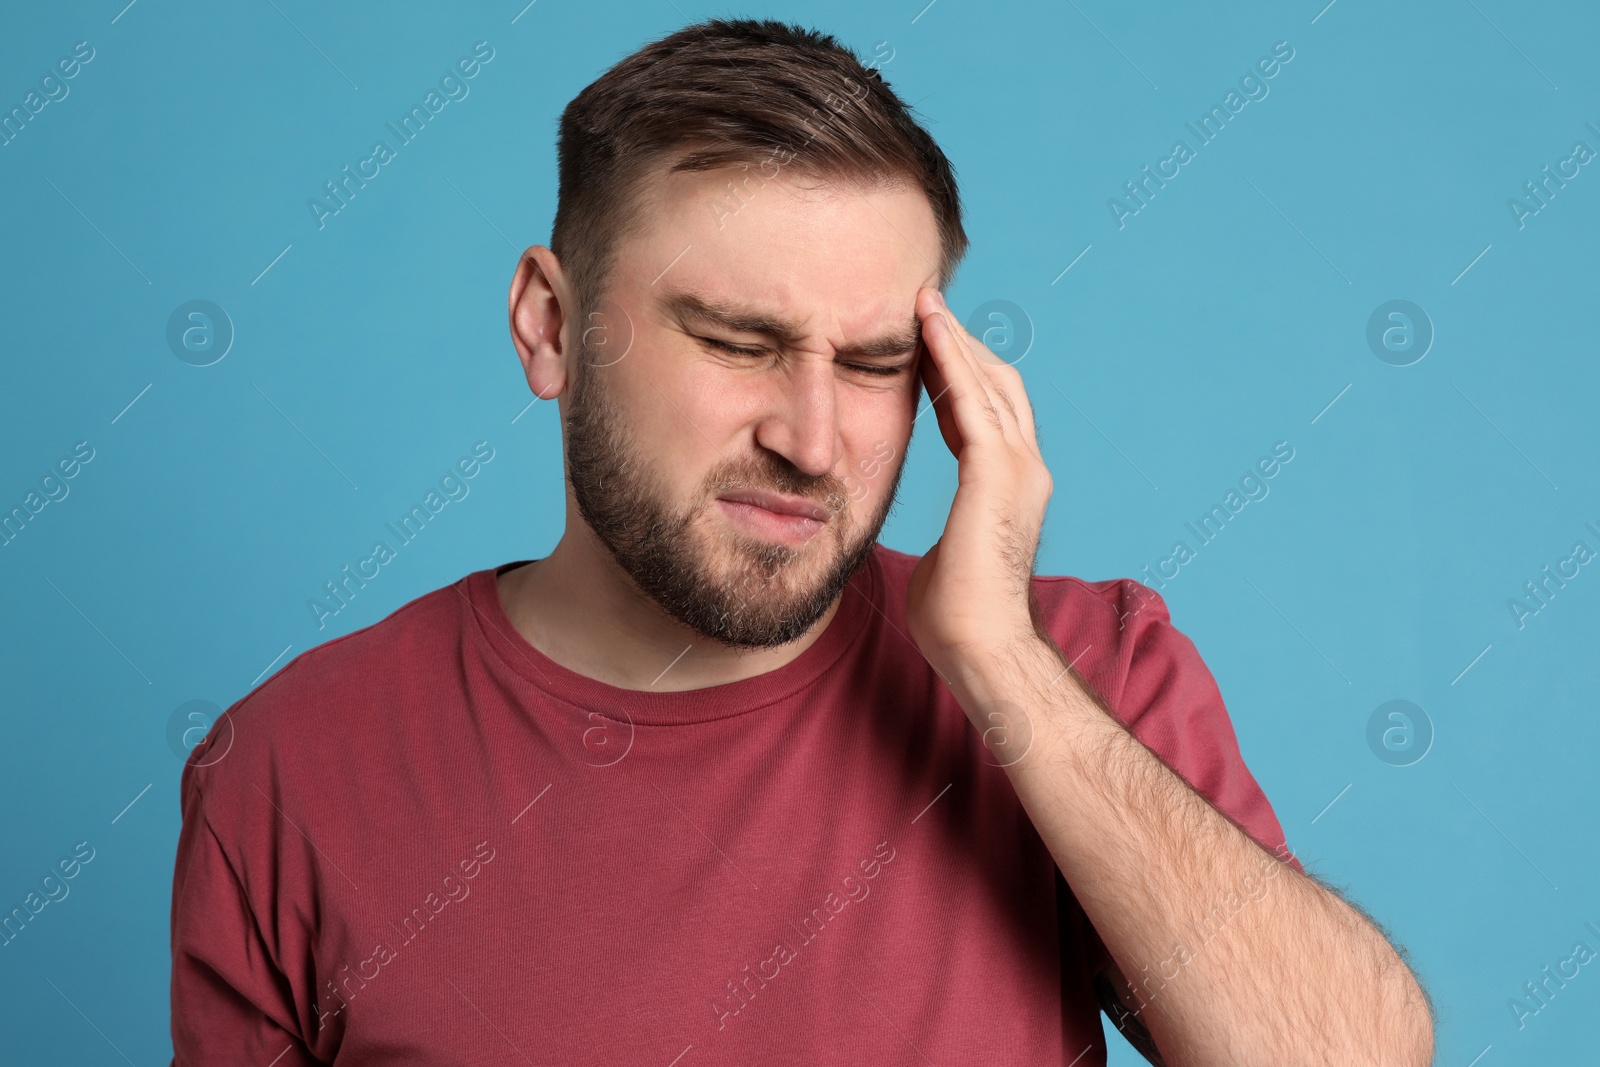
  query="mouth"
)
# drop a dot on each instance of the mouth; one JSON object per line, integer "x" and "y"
{"x": 774, "y": 517}
{"x": 778, "y": 503}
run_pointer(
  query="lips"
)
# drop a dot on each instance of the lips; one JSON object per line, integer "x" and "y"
{"x": 797, "y": 506}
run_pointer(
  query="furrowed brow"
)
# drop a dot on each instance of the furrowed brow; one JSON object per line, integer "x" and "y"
{"x": 892, "y": 345}
{"x": 687, "y": 305}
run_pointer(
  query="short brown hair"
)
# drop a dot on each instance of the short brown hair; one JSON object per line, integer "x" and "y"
{"x": 729, "y": 92}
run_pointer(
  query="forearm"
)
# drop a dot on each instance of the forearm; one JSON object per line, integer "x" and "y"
{"x": 1234, "y": 957}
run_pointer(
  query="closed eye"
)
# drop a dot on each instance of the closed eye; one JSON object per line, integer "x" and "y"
{"x": 741, "y": 350}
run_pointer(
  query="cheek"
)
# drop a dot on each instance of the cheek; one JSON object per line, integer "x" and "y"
{"x": 682, "y": 426}
{"x": 876, "y": 452}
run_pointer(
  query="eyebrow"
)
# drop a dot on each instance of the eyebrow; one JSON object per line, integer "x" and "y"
{"x": 748, "y": 319}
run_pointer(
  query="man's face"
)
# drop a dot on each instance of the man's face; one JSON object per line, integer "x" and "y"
{"x": 662, "y": 424}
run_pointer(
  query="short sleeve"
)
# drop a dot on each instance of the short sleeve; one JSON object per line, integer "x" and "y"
{"x": 230, "y": 1003}
{"x": 1155, "y": 683}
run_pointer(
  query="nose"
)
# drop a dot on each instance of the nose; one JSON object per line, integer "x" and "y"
{"x": 803, "y": 422}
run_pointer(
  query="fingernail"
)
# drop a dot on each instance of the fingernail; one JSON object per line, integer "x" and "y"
{"x": 940, "y": 297}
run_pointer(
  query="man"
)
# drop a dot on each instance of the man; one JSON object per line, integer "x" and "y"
{"x": 721, "y": 779}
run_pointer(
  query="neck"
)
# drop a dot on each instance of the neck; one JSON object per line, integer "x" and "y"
{"x": 579, "y": 608}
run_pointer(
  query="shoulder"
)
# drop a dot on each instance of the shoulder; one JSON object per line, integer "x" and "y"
{"x": 336, "y": 698}
{"x": 1119, "y": 636}
{"x": 1149, "y": 675}
{"x": 1109, "y": 629}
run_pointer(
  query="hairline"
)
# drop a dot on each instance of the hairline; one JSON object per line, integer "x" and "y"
{"x": 646, "y": 178}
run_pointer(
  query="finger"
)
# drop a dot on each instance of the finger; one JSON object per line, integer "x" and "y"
{"x": 939, "y": 400}
{"x": 970, "y": 404}
{"x": 968, "y": 349}
{"x": 974, "y": 406}
{"x": 1003, "y": 386}
{"x": 1006, "y": 385}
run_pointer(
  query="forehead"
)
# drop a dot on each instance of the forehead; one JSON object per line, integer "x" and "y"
{"x": 837, "y": 258}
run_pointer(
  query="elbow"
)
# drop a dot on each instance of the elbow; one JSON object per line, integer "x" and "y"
{"x": 1412, "y": 1032}
{"x": 1422, "y": 1042}
{"x": 1413, "y": 1047}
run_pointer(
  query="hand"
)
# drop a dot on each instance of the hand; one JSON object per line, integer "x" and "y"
{"x": 970, "y": 594}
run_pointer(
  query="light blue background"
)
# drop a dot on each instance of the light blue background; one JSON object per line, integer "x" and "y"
{"x": 1227, "y": 315}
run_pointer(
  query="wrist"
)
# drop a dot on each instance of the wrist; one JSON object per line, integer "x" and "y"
{"x": 1004, "y": 687}
{"x": 1024, "y": 697}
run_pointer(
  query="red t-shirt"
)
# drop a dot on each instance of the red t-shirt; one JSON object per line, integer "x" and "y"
{"x": 426, "y": 842}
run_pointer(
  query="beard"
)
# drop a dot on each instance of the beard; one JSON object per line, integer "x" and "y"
{"x": 736, "y": 589}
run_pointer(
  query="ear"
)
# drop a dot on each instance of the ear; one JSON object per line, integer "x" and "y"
{"x": 540, "y": 305}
